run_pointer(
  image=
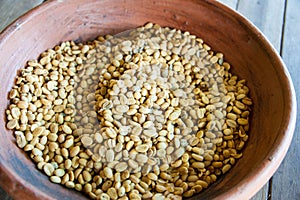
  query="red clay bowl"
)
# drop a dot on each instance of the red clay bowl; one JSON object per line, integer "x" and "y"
{"x": 251, "y": 55}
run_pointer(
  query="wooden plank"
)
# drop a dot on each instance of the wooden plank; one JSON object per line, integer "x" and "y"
{"x": 267, "y": 15}
{"x": 286, "y": 181}
{"x": 271, "y": 26}
{"x": 12, "y": 9}
{"x": 230, "y": 3}
{"x": 268, "y": 20}
{"x": 262, "y": 194}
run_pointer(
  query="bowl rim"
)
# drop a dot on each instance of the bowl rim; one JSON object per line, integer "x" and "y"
{"x": 8, "y": 177}
{"x": 265, "y": 169}
{"x": 272, "y": 161}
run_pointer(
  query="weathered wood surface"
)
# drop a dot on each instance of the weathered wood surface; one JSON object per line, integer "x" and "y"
{"x": 268, "y": 16}
{"x": 261, "y": 13}
{"x": 12, "y": 9}
{"x": 230, "y": 3}
{"x": 286, "y": 181}
{"x": 279, "y": 20}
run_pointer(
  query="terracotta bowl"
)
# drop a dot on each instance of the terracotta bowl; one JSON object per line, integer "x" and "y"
{"x": 251, "y": 55}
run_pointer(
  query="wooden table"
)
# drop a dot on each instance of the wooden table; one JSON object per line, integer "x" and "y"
{"x": 279, "y": 20}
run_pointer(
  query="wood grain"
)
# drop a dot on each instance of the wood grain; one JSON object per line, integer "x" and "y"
{"x": 230, "y": 3}
{"x": 286, "y": 184}
{"x": 250, "y": 12}
{"x": 268, "y": 15}
{"x": 12, "y": 9}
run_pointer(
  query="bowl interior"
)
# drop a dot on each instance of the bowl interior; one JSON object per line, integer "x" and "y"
{"x": 225, "y": 31}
